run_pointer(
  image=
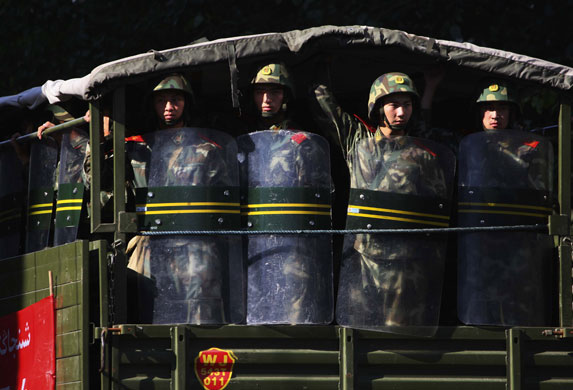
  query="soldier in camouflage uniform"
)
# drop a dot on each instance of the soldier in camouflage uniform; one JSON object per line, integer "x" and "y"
{"x": 191, "y": 276}
{"x": 289, "y": 276}
{"x": 70, "y": 170}
{"x": 78, "y": 140}
{"x": 170, "y": 97}
{"x": 501, "y": 284}
{"x": 497, "y": 106}
{"x": 272, "y": 94}
{"x": 379, "y": 274}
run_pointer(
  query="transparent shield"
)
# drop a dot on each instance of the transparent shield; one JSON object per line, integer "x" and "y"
{"x": 12, "y": 177}
{"x": 195, "y": 279}
{"x": 41, "y": 182}
{"x": 71, "y": 186}
{"x": 393, "y": 282}
{"x": 285, "y": 179}
{"x": 506, "y": 178}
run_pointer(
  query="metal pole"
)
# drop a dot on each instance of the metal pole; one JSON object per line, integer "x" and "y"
{"x": 52, "y": 130}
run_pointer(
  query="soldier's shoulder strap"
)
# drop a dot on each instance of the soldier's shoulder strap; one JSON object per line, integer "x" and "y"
{"x": 370, "y": 128}
{"x": 425, "y": 147}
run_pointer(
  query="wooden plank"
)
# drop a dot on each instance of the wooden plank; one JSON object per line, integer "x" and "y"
{"x": 68, "y": 369}
{"x": 67, "y": 295}
{"x": 19, "y": 263}
{"x": 70, "y": 386}
{"x": 68, "y": 344}
{"x": 17, "y": 280}
{"x": 13, "y": 304}
{"x": 68, "y": 320}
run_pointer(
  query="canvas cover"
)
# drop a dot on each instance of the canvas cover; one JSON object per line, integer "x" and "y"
{"x": 373, "y": 42}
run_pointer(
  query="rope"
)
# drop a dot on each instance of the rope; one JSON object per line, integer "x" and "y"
{"x": 536, "y": 228}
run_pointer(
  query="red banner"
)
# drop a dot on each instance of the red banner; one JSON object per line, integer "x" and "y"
{"x": 27, "y": 351}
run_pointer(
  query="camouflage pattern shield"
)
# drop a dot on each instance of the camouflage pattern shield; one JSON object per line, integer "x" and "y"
{"x": 193, "y": 185}
{"x": 12, "y": 178}
{"x": 71, "y": 188}
{"x": 503, "y": 277}
{"x": 393, "y": 282}
{"x": 285, "y": 183}
{"x": 41, "y": 182}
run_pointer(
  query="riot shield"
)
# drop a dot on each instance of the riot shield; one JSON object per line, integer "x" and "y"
{"x": 71, "y": 187}
{"x": 393, "y": 282}
{"x": 193, "y": 185}
{"x": 503, "y": 277}
{"x": 41, "y": 182}
{"x": 285, "y": 181}
{"x": 12, "y": 179}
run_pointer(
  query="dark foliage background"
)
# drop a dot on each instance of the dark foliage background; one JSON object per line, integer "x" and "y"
{"x": 52, "y": 39}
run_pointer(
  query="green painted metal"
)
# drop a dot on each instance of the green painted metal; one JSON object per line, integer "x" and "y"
{"x": 95, "y": 164}
{"x": 330, "y": 357}
{"x": 68, "y": 192}
{"x": 180, "y": 369}
{"x": 565, "y": 299}
{"x": 514, "y": 364}
{"x": 119, "y": 157}
{"x": 26, "y": 281}
{"x": 279, "y": 357}
{"x": 346, "y": 358}
{"x": 564, "y": 197}
{"x": 119, "y": 263}
{"x": 184, "y": 208}
{"x": 287, "y": 208}
{"x": 128, "y": 222}
{"x": 51, "y": 131}
{"x": 43, "y": 196}
{"x": 564, "y": 150}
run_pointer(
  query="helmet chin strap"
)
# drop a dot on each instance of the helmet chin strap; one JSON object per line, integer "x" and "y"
{"x": 268, "y": 114}
{"x": 403, "y": 128}
{"x": 272, "y": 115}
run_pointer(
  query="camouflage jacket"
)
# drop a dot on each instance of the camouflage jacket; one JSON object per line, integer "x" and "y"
{"x": 346, "y": 130}
{"x": 391, "y": 165}
{"x": 286, "y": 124}
{"x": 72, "y": 164}
{"x": 184, "y": 160}
{"x": 507, "y": 159}
{"x": 340, "y": 127}
{"x": 401, "y": 165}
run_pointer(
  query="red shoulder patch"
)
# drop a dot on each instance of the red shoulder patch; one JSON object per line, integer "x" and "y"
{"x": 370, "y": 128}
{"x": 210, "y": 141}
{"x": 421, "y": 145}
{"x": 532, "y": 144}
{"x": 299, "y": 138}
{"x": 135, "y": 138}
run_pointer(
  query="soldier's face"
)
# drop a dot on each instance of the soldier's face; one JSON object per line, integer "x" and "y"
{"x": 495, "y": 115}
{"x": 169, "y": 106}
{"x": 268, "y": 97}
{"x": 398, "y": 110}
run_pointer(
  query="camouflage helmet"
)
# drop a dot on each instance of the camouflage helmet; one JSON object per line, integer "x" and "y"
{"x": 388, "y": 84}
{"x": 496, "y": 91}
{"x": 59, "y": 113}
{"x": 273, "y": 73}
{"x": 174, "y": 81}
